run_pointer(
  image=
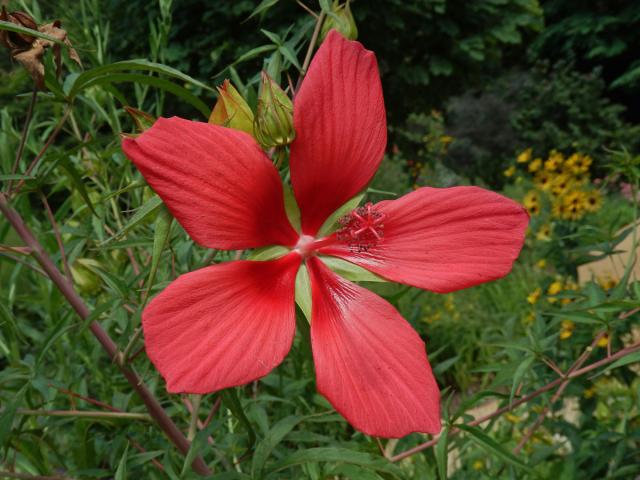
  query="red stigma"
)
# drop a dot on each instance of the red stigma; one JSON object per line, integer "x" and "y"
{"x": 362, "y": 228}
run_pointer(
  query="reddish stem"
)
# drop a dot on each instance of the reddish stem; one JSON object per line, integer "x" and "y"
{"x": 66, "y": 288}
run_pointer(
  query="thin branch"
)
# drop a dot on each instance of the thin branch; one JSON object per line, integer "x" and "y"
{"x": 153, "y": 406}
{"x": 56, "y": 232}
{"x": 26, "y": 264}
{"x": 23, "y": 136}
{"x": 309, "y": 11}
{"x": 86, "y": 414}
{"x": 46, "y": 146}
{"x": 550, "y": 386}
{"x": 13, "y": 249}
{"x": 312, "y": 44}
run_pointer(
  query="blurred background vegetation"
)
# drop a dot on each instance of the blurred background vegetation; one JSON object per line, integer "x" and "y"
{"x": 537, "y": 99}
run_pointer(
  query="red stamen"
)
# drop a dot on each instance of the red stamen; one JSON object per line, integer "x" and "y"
{"x": 362, "y": 228}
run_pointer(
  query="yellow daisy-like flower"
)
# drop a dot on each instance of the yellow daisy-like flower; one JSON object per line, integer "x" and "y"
{"x": 531, "y": 202}
{"x": 509, "y": 172}
{"x": 534, "y": 296}
{"x": 535, "y": 165}
{"x": 560, "y": 184}
{"x": 446, "y": 139}
{"x": 478, "y": 465}
{"x": 524, "y": 156}
{"x": 542, "y": 263}
{"x": 544, "y": 233}
{"x": 575, "y": 203}
{"x": 604, "y": 341}
{"x": 593, "y": 201}
{"x": 554, "y": 162}
{"x": 543, "y": 180}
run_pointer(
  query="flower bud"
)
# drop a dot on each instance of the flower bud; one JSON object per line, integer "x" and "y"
{"x": 15, "y": 40}
{"x": 340, "y": 19}
{"x": 142, "y": 120}
{"x": 84, "y": 279}
{"x": 231, "y": 110}
{"x": 273, "y": 125}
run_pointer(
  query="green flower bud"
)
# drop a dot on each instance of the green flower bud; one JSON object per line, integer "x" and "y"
{"x": 142, "y": 120}
{"x": 231, "y": 110}
{"x": 340, "y": 19}
{"x": 87, "y": 282}
{"x": 273, "y": 125}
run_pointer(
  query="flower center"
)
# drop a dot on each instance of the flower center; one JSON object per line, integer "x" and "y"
{"x": 305, "y": 245}
{"x": 362, "y": 228}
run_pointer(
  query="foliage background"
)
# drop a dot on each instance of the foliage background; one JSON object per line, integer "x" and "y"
{"x": 468, "y": 86}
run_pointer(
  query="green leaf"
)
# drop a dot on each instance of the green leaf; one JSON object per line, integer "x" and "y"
{"x": 121, "y": 472}
{"x": 160, "y": 237}
{"x": 350, "y": 271}
{"x": 9, "y": 413}
{"x": 518, "y": 374}
{"x": 230, "y": 400}
{"x": 291, "y": 208}
{"x": 489, "y": 445}
{"x": 76, "y": 180}
{"x": 273, "y": 437}
{"x": 12, "y": 27}
{"x": 262, "y": 8}
{"x": 331, "y": 224}
{"x": 303, "y": 291}
{"x": 149, "y": 208}
{"x": 441, "y": 451}
{"x": 139, "y": 64}
{"x": 335, "y": 454}
{"x": 268, "y": 253}
{"x": 157, "y": 82}
{"x": 16, "y": 177}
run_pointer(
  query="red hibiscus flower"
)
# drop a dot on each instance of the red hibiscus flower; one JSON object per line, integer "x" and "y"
{"x": 229, "y": 324}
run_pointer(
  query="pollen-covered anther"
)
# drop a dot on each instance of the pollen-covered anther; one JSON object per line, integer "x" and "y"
{"x": 362, "y": 229}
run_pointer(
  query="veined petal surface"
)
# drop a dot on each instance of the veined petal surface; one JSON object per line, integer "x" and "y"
{"x": 223, "y": 325}
{"x": 370, "y": 363}
{"x": 341, "y": 129}
{"x": 443, "y": 239}
{"x": 216, "y": 182}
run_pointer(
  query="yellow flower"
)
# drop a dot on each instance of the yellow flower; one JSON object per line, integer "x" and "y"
{"x": 535, "y": 165}
{"x": 524, "y": 156}
{"x": 542, "y": 263}
{"x": 560, "y": 184}
{"x": 554, "y": 161}
{"x": 607, "y": 282}
{"x": 544, "y": 233}
{"x": 509, "y": 172}
{"x": 478, "y": 465}
{"x": 555, "y": 288}
{"x": 575, "y": 203}
{"x": 589, "y": 392}
{"x": 543, "y": 180}
{"x": 446, "y": 139}
{"x": 593, "y": 201}
{"x": 531, "y": 202}
{"x": 604, "y": 341}
{"x": 566, "y": 329}
{"x": 533, "y": 297}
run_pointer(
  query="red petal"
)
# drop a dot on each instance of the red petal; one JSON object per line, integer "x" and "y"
{"x": 444, "y": 239}
{"x": 216, "y": 181}
{"x": 370, "y": 364}
{"x": 223, "y": 325}
{"x": 341, "y": 130}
